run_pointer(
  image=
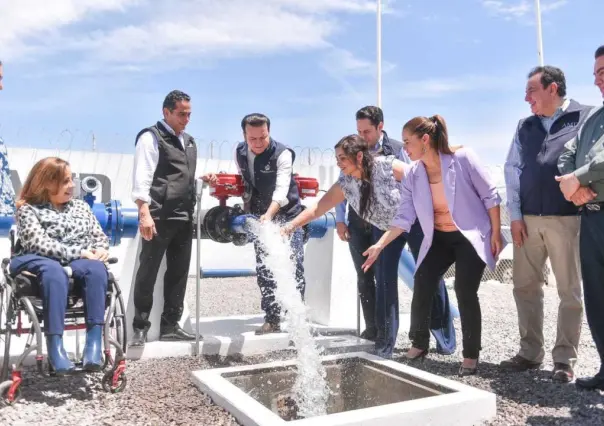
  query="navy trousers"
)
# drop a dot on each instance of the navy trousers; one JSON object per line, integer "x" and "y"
{"x": 90, "y": 275}
{"x": 591, "y": 247}
{"x": 386, "y": 294}
{"x": 266, "y": 282}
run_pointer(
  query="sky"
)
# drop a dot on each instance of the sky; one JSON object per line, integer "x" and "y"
{"x": 99, "y": 69}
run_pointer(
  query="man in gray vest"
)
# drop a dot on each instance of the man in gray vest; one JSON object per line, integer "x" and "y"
{"x": 164, "y": 191}
{"x": 544, "y": 223}
{"x": 582, "y": 167}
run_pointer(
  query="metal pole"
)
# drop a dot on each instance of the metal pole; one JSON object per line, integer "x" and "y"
{"x": 379, "y": 53}
{"x": 358, "y": 314}
{"x": 199, "y": 192}
{"x": 539, "y": 32}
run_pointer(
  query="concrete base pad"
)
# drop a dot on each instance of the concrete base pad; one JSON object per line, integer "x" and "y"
{"x": 452, "y": 404}
{"x": 233, "y": 335}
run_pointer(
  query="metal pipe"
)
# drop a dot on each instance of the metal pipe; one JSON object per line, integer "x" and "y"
{"x": 228, "y": 273}
{"x": 199, "y": 191}
{"x": 539, "y": 32}
{"x": 379, "y": 53}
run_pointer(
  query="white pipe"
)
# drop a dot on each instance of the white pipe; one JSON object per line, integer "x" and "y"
{"x": 379, "y": 53}
{"x": 539, "y": 32}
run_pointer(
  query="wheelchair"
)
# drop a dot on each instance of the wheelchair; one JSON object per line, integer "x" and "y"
{"x": 19, "y": 295}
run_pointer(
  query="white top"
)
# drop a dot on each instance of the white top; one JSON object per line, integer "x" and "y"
{"x": 146, "y": 158}
{"x": 386, "y": 195}
{"x": 284, "y": 174}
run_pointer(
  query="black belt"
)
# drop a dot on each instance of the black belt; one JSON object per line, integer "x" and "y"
{"x": 593, "y": 207}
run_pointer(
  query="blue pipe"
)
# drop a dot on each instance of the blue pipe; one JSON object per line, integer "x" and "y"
{"x": 227, "y": 273}
{"x": 316, "y": 229}
{"x": 117, "y": 222}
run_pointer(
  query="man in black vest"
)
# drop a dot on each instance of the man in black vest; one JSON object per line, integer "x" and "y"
{"x": 544, "y": 224}
{"x": 164, "y": 191}
{"x": 272, "y": 194}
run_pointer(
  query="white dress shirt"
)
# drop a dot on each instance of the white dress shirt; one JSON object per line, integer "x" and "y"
{"x": 284, "y": 174}
{"x": 146, "y": 158}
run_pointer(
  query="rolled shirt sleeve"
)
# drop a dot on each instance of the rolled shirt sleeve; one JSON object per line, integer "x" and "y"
{"x": 481, "y": 180}
{"x": 146, "y": 158}
{"x": 406, "y": 214}
{"x": 567, "y": 160}
{"x": 284, "y": 175}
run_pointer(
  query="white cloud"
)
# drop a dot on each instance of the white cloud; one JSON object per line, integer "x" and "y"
{"x": 152, "y": 31}
{"x": 342, "y": 61}
{"x": 440, "y": 87}
{"x": 518, "y": 10}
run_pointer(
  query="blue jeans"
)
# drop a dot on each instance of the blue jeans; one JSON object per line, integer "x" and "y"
{"x": 266, "y": 282}
{"x": 385, "y": 269}
{"x": 90, "y": 275}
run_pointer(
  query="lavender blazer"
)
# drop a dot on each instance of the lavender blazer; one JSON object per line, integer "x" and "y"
{"x": 469, "y": 192}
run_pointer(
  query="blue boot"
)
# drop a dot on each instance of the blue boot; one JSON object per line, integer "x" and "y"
{"x": 57, "y": 357}
{"x": 93, "y": 360}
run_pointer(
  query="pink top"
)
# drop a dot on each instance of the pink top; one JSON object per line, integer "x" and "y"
{"x": 443, "y": 221}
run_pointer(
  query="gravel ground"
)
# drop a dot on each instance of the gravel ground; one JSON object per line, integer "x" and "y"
{"x": 160, "y": 392}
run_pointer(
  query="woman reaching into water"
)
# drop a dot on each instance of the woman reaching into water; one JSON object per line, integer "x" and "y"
{"x": 371, "y": 185}
{"x": 458, "y": 208}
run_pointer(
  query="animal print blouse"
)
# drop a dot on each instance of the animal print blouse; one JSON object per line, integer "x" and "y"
{"x": 59, "y": 235}
{"x": 386, "y": 193}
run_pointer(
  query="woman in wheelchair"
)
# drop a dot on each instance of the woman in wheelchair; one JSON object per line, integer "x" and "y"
{"x": 57, "y": 233}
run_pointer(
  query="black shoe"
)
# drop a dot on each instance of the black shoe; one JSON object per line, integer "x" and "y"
{"x": 174, "y": 333}
{"x": 563, "y": 373}
{"x": 591, "y": 383}
{"x": 419, "y": 356}
{"x": 518, "y": 363}
{"x": 369, "y": 334}
{"x": 139, "y": 337}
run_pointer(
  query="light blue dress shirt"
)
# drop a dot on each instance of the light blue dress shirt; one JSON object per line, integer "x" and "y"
{"x": 513, "y": 165}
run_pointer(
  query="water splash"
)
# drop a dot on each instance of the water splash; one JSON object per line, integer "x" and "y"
{"x": 310, "y": 390}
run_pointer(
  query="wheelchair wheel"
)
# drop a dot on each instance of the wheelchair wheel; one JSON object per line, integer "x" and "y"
{"x": 6, "y": 319}
{"x": 114, "y": 381}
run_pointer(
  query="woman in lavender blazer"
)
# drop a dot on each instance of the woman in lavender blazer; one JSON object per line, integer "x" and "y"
{"x": 458, "y": 208}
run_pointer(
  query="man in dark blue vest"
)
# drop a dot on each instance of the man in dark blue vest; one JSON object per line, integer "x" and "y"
{"x": 544, "y": 224}
{"x": 164, "y": 191}
{"x": 272, "y": 194}
{"x": 358, "y": 233}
